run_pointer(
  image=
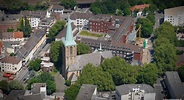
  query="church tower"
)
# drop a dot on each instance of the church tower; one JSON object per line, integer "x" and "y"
{"x": 70, "y": 50}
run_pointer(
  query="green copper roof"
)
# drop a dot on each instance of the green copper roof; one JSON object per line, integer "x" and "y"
{"x": 68, "y": 40}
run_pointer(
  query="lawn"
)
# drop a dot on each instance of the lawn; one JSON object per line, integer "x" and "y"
{"x": 86, "y": 33}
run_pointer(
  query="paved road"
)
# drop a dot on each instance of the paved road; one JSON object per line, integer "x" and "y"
{"x": 22, "y": 74}
{"x": 60, "y": 83}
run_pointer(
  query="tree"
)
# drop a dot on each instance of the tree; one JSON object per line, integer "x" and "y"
{"x": 25, "y": 27}
{"x": 83, "y": 49}
{"x": 51, "y": 87}
{"x": 151, "y": 17}
{"x": 35, "y": 65}
{"x": 10, "y": 30}
{"x": 4, "y": 86}
{"x": 146, "y": 27}
{"x": 68, "y": 4}
{"x": 44, "y": 77}
{"x": 15, "y": 85}
{"x": 97, "y": 77}
{"x": 148, "y": 74}
{"x": 121, "y": 72}
{"x": 161, "y": 40}
{"x": 12, "y": 54}
{"x": 56, "y": 52}
{"x": 165, "y": 57}
{"x": 72, "y": 91}
{"x": 55, "y": 29}
{"x": 166, "y": 30}
{"x": 181, "y": 72}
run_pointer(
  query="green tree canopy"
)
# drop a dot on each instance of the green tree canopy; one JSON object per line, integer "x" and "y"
{"x": 146, "y": 27}
{"x": 148, "y": 74}
{"x": 15, "y": 85}
{"x": 35, "y": 65}
{"x": 68, "y": 4}
{"x": 121, "y": 72}
{"x": 97, "y": 77}
{"x": 151, "y": 17}
{"x": 25, "y": 26}
{"x": 181, "y": 72}
{"x": 165, "y": 57}
{"x": 83, "y": 49}
{"x": 72, "y": 91}
{"x": 4, "y": 86}
{"x": 166, "y": 30}
{"x": 44, "y": 77}
{"x": 56, "y": 52}
{"x": 55, "y": 29}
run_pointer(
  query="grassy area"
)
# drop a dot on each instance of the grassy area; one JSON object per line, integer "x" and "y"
{"x": 86, "y": 33}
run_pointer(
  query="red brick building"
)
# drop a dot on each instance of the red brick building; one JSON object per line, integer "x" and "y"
{"x": 100, "y": 24}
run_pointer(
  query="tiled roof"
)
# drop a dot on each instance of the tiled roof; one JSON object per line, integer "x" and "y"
{"x": 18, "y": 34}
{"x": 85, "y": 1}
{"x": 77, "y": 15}
{"x": 14, "y": 94}
{"x": 86, "y": 92}
{"x": 174, "y": 84}
{"x": 31, "y": 43}
{"x": 93, "y": 58}
{"x": 63, "y": 32}
{"x": 140, "y": 7}
{"x": 11, "y": 59}
{"x": 126, "y": 88}
{"x": 58, "y": 7}
{"x": 6, "y": 35}
{"x": 112, "y": 45}
{"x": 33, "y": 14}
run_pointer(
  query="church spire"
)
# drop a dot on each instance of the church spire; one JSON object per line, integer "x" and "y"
{"x": 68, "y": 41}
{"x": 100, "y": 50}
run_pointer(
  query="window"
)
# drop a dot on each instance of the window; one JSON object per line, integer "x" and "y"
{"x": 71, "y": 50}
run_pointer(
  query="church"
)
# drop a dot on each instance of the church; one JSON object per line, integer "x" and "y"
{"x": 73, "y": 64}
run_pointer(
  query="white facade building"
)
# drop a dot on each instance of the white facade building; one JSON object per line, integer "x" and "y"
{"x": 11, "y": 64}
{"x": 57, "y": 9}
{"x": 175, "y": 16}
{"x": 135, "y": 92}
{"x": 80, "y": 20}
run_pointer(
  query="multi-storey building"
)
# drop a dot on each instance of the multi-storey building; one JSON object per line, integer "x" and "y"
{"x": 135, "y": 92}
{"x": 80, "y": 19}
{"x": 11, "y": 64}
{"x": 34, "y": 17}
{"x": 175, "y": 16}
{"x": 100, "y": 23}
{"x": 37, "y": 40}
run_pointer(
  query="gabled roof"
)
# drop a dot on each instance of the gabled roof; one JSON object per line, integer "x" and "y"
{"x": 63, "y": 32}
{"x": 11, "y": 59}
{"x": 18, "y": 35}
{"x": 93, "y": 58}
{"x": 14, "y": 94}
{"x": 175, "y": 84}
{"x": 57, "y": 7}
{"x": 126, "y": 88}
{"x": 78, "y": 15}
{"x": 31, "y": 43}
{"x": 86, "y": 92}
{"x": 139, "y": 7}
{"x": 6, "y": 35}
